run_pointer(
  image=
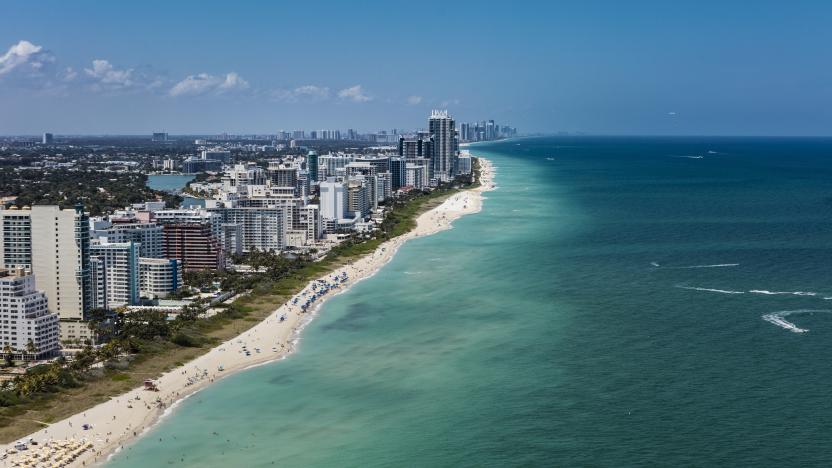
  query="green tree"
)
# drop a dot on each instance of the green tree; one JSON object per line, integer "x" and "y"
{"x": 31, "y": 348}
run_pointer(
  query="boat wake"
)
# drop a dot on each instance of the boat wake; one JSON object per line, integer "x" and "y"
{"x": 721, "y": 291}
{"x": 781, "y": 293}
{"x": 690, "y": 157}
{"x": 779, "y": 318}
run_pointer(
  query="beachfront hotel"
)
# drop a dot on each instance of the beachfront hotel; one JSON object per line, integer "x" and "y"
{"x": 28, "y": 328}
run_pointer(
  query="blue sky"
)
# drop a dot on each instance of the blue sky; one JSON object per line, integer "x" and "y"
{"x": 613, "y": 67}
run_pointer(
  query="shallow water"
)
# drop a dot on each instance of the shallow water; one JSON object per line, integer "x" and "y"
{"x": 612, "y": 305}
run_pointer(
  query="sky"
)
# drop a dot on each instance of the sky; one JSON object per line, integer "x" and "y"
{"x": 602, "y": 67}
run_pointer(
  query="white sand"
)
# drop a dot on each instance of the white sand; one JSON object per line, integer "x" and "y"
{"x": 121, "y": 419}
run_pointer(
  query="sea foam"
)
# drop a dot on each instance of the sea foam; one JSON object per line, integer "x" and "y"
{"x": 715, "y": 265}
{"x": 778, "y": 318}
{"x": 780, "y": 293}
{"x": 721, "y": 291}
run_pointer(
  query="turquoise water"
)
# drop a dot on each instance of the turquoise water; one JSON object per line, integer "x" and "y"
{"x": 597, "y": 312}
{"x": 168, "y": 182}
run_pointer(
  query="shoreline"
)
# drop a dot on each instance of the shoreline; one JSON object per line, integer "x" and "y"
{"x": 126, "y": 418}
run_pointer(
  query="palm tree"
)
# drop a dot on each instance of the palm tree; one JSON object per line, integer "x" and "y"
{"x": 8, "y": 355}
{"x": 31, "y": 348}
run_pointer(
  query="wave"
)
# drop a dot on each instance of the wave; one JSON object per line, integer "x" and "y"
{"x": 721, "y": 291}
{"x": 779, "y": 318}
{"x": 715, "y": 265}
{"x": 655, "y": 264}
{"x": 780, "y": 293}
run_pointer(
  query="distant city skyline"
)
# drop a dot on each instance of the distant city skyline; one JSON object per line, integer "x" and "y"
{"x": 650, "y": 68}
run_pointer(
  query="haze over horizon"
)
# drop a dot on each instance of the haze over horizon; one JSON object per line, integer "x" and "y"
{"x": 657, "y": 68}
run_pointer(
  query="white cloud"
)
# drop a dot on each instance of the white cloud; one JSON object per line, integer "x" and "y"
{"x": 69, "y": 74}
{"x": 671, "y": 114}
{"x": 414, "y": 100}
{"x": 233, "y": 82}
{"x": 449, "y": 102}
{"x": 204, "y": 83}
{"x": 305, "y": 93}
{"x": 106, "y": 76}
{"x": 25, "y": 56}
{"x": 354, "y": 94}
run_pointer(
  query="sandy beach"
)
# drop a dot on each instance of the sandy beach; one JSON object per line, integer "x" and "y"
{"x": 117, "y": 422}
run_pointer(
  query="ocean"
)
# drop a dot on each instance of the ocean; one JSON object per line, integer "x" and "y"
{"x": 618, "y": 302}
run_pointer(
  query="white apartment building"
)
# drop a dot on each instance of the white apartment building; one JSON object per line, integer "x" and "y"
{"x": 159, "y": 277}
{"x": 16, "y": 240}
{"x": 25, "y": 320}
{"x": 117, "y": 268}
{"x": 147, "y": 235}
{"x": 333, "y": 199}
{"x": 416, "y": 176}
{"x": 260, "y": 228}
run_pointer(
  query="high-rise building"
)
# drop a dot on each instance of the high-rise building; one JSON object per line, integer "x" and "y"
{"x": 29, "y": 329}
{"x": 16, "y": 241}
{"x": 60, "y": 262}
{"x": 464, "y": 163}
{"x": 333, "y": 199}
{"x": 359, "y": 198}
{"x": 160, "y": 136}
{"x": 312, "y": 165}
{"x": 48, "y": 139}
{"x": 398, "y": 171}
{"x": 117, "y": 269}
{"x": 445, "y": 145}
{"x": 333, "y": 163}
{"x": 465, "y": 132}
{"x": 308, "y": 220}
{"x": 159, "y": 277}
{"x": 192, "y": 237}
{"x": 54, "y": 244}
{"x": 261, "y": 228}
{"x": 147, "y": 235}
{"x": 283, "y": 175}
{"x": 416, "y": 175}
{"x": 216, "y": 155}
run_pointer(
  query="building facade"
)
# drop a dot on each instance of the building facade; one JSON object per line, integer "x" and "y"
{"x": 159, "y": 277}
{"x": 445, "y": 146}
{"x": 28, "y": 328}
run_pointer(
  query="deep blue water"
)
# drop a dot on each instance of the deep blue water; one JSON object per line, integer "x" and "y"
{"x": 598, "y": 312}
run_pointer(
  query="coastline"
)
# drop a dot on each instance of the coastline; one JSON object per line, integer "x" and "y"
{"x": 123, "y": 419}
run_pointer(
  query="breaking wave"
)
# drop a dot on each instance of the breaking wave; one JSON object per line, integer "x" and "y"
{"x": 715, "y": 265}
{"x": 721, "y": 291}
{"x": 781, "y": 293}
